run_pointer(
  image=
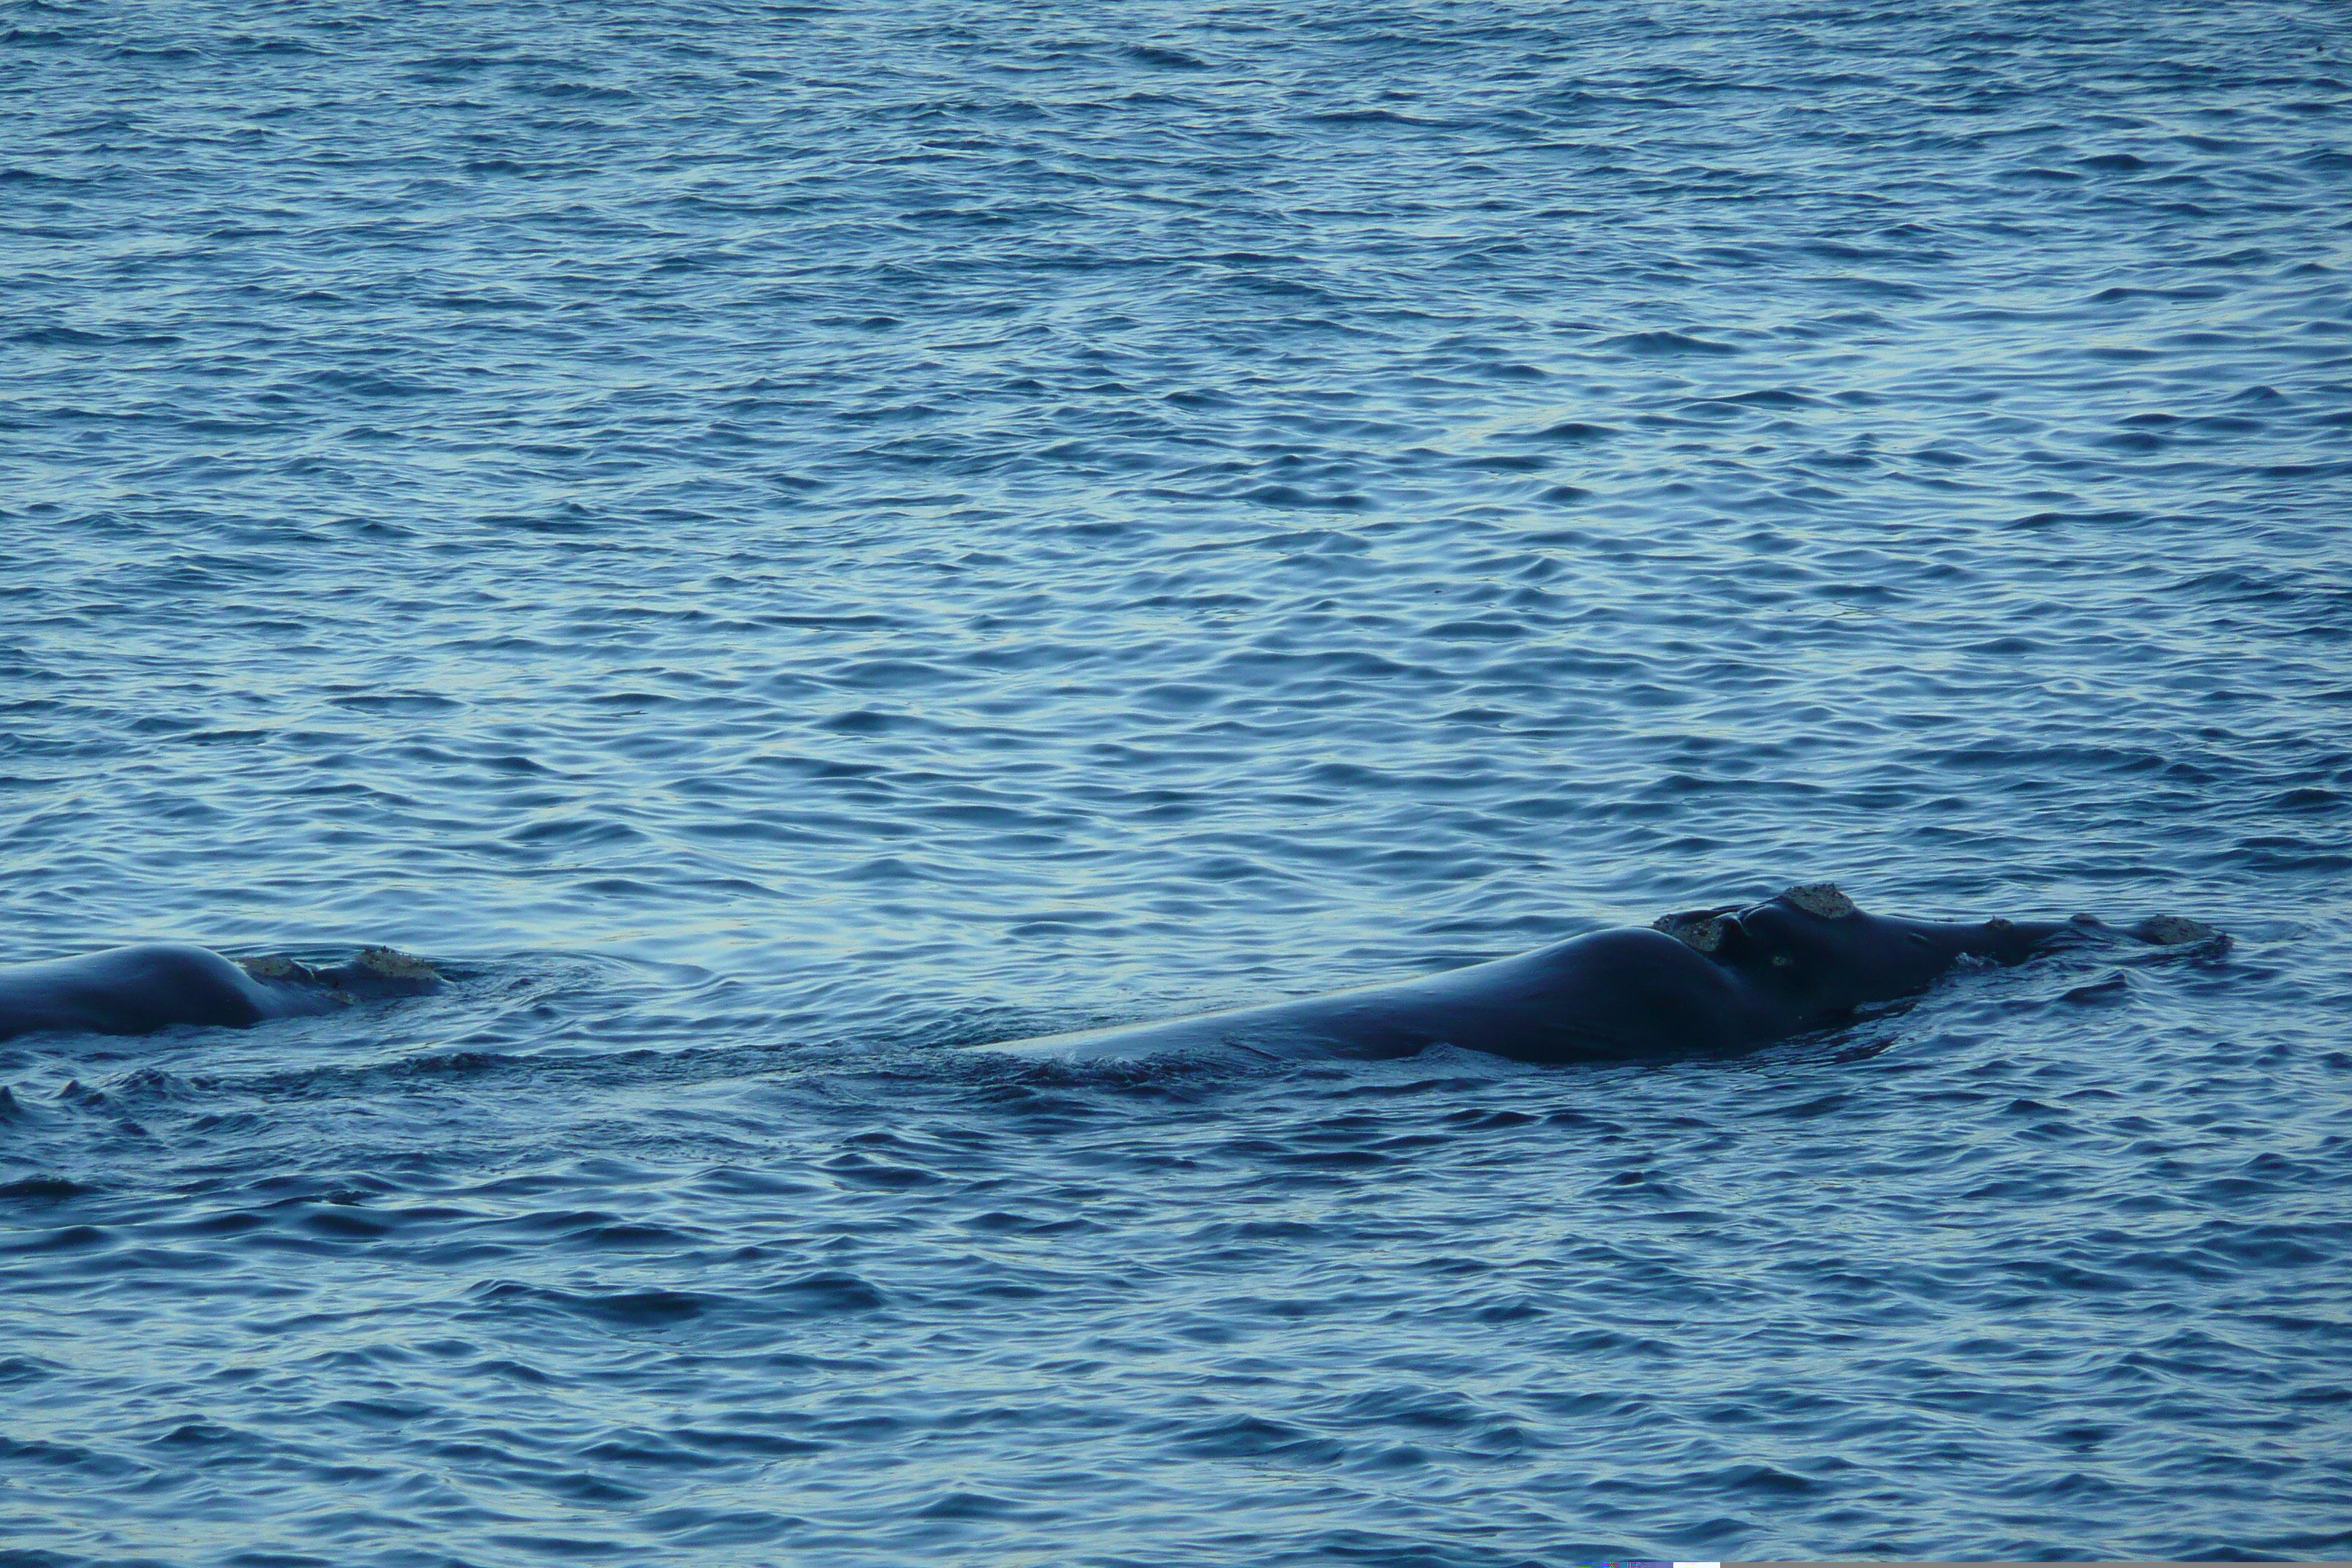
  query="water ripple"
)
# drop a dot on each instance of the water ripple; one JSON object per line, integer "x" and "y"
{"x": 773, "y": 541}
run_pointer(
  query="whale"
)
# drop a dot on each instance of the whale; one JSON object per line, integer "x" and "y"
{"x": 139, "y": 989}
{"x": 1712, "y": 982}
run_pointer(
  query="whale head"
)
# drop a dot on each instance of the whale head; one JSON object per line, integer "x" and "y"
{"x": 1811, "y": 953}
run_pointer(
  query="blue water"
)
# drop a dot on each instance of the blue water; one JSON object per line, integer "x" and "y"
{"x": 776, "y": 542}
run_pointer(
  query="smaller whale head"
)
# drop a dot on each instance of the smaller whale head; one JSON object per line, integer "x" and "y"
{"x": 377, "y": 971}
{"x": 1812, "y": 952}
{"x": 385, "y": 971}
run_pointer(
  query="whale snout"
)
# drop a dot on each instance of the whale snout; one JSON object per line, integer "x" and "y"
{"x": 1811, "y": 951}
{"x": 386, "y": 972}
{"x": 377, "y": 971}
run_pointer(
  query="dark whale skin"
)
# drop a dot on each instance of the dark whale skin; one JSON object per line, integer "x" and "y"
{"x": 1611, "y": 995}
{"x": 1708, "y": 983}
{"x": 154, "y": 986}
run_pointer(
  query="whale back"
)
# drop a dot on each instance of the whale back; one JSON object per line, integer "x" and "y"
{"x": 128, "y": 991}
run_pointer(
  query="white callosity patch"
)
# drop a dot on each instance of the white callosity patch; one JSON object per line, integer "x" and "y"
{"x": 1822, "y": 898}
{"x": 375, "y": 965}
{"x": 1702, "y": 932}
{"x": 1703, "y": 929}
{"x": 2174, "y": 930}
{"x": 393, "y": 965}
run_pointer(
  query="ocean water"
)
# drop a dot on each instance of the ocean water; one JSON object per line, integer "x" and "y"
{"x": 777, "y": 542}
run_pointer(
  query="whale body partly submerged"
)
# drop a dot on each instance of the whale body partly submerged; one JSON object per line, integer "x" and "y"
{"x": 1709, "y": 982}
{"x": 1701, "y": 982}
{"x": 154, "y": 986}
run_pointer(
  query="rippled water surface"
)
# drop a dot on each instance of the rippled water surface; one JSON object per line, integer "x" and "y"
{"x": 777, "y": 542}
